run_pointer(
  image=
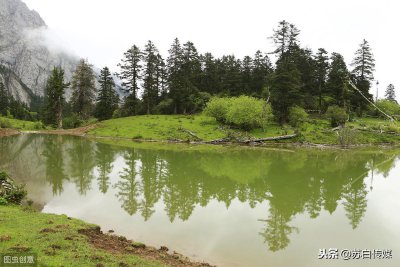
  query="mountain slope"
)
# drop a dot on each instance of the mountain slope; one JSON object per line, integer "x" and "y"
{"x": 23, "y": 51}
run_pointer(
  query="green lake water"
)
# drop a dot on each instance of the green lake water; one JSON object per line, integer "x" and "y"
{"x": 224, "y": 205}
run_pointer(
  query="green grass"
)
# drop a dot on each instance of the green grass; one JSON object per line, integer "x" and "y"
{"x": 20, "y": 230}
{"x": 19, "y": 124}
{"x": 169, "y": 127}
{"x": 315, "y": 131}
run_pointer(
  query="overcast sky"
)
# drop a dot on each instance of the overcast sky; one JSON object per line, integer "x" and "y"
{"x": 101, "y": 30}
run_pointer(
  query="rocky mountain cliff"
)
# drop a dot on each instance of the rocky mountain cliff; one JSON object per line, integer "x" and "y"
{"x": 25, "y": 59}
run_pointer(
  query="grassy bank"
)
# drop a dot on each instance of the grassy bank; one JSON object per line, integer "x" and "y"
{"x": 62, "y": 241}
{"x": 19, "y": 124}
{"x": 177, "y": 127}
{"x": 198, "y": 127}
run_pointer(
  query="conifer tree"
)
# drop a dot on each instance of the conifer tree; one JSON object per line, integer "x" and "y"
{"x": 54, "y": 97}
{"x": 285, "y": 89}
{"x": 130, "y": 74}
{"x": 337, "y": 81}
{"x": 363, "y": 68}
{"x": 390, "y": 93}
{"x": 322, "y": 66}
{"x": 84, "y": 90}
{"x": 262, "y": 68}
{"x": 150, "y": 77}
{"x": 107, "y": 100}
{"x": 4, "y": 100}
{"x": 174, "y": 70}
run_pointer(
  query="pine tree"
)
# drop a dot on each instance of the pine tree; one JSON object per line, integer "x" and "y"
{"x": 191, "y": 69}
{"x": 174, "y": 70}
{"x": 246, "y": 70}
{"x": 337, "y": 81}
{"x": 285, "y": 37}
{"x": 209, "y": 78}
{"x": 322, "y": 66}
{"x": 54, "y": 98}
{"x": 363, "y": 68}
{"x": 107, "y": 100}
{"x": 390, "y": 93}
{"x": 161, "y": 74}
{"x": 262, "y": 68}
{"x": 4, "y": 100}
{"x": 130, "y": 75}
{"x": 84, "y": 89}
{"x": 150, "y": 79}
{"x": 285, "y": 89}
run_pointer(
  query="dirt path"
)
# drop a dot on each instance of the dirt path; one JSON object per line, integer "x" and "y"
{"x": 8, "y": 132}
{"x": 81, "y": 131}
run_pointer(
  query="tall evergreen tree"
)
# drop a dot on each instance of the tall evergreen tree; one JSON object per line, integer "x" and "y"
{"x": 174, "y": 70}
{"x": 107, "y": 100}
{"x": 336, "y": 86}
{"x": 363, "y": 67}
{"x": 247, "y": 69}
{"x": 262, "y": 68}
{"x": 390, "y": 93}
{"x": 191, "y": 68}
{"x": 285, "y": 89}
{"x": 150, "y": 77}
{"x": 285, "y": 37}
{"x": 54, "y": 97}
{"x": 84, "y": 89}
{"x": 209, "y": 76}
{"x": 4, "y": 100}
{"x": 130, "y": 75}
{"x": 161, "y": 74}
{"x": 322, "y": 66}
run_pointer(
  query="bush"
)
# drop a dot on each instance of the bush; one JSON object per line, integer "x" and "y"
{"x": 3, "y": 201}
{"x": 72, "y": 121}
{"x": 345, "y": 136}
{"x": 336, "y": 115}
{"x": 297, "y": 116}
{"x": 166, "y": 106}
{"x": 38, "y": 125}
{"x": 10, "y": 192}
{"x": 247, "y": 112}
{"x": 389, "y": 107}
{"x": 5, "y": 123}
{"x": 244, "y": 112}
{"x": 218, "y": 108}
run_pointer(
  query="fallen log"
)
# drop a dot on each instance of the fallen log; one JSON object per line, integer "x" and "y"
{"x": 190, "y": 133}
{"x": 276, "y": 138}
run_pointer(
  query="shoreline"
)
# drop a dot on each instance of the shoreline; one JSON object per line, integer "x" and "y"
{"x": 82, "y": 132}
{"x": 64, "y": 232}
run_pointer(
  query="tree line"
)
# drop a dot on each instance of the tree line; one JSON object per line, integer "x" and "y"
{"x": 184, "y": 81}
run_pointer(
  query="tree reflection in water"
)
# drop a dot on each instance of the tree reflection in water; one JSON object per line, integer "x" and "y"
{"x": 298, "y": 182}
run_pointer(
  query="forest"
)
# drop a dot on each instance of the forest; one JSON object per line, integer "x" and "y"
{"x": 300, "y": 83}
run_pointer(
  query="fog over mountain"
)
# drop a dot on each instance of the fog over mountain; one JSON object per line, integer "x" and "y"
{"x": 27, "y": 54}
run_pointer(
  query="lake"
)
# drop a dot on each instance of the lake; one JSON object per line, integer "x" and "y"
{"x": 229, "y": 206}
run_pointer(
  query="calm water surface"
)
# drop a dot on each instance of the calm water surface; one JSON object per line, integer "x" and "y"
{"x": 227, "y": 206}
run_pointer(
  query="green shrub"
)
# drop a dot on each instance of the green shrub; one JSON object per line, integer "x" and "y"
{"x": 38, "y": 125}
{"x": 166, "y": 106}
{"x": 9, "y": 191}
{"x": 389, "y": 107}
{"x": 5, "y": 123}
{"x": 246, "y": 112}
{"x": 218, "y": 108}
{"x": 72, "y": 121}
{"x": 336, "y": 115}
{"x": 297, "y": 116}
{"x": 346, "y": 136}
{"x": 3, "y": 201}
